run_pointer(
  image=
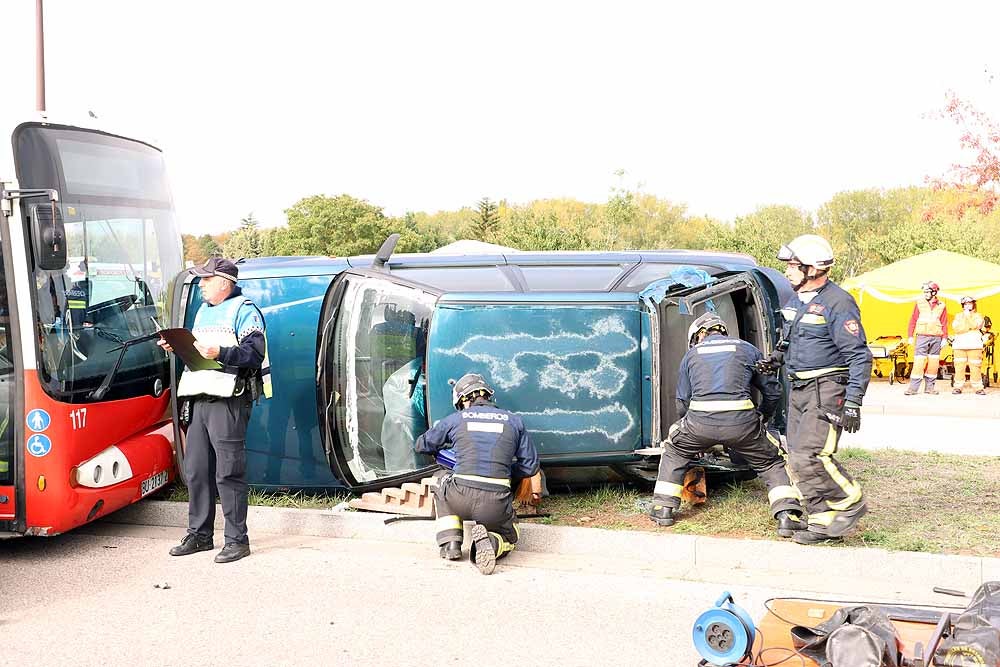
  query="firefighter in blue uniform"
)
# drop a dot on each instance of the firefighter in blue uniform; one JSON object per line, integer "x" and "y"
{"x": 492, "y": 452}
{"x": 215, "y": 406}
{"x": 714, "y": 388}
{"x": 825, "y": 352}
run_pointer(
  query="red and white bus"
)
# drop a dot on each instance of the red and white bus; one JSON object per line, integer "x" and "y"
{"x": 90, "y": 246}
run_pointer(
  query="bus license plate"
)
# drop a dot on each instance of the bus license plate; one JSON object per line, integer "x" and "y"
{"x": 153, "y": 483}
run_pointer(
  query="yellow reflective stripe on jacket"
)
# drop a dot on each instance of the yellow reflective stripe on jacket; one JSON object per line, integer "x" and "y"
{"x": 811, "y": 318}
{"x": 819, "y": 372}
{"x": 721, "y": 406}
{"x": 76, "y": 305}
{"x": 664, "y": 488}
{"x": 449, "y": 522}
{"x": 784, "y": 492}
{"x": 488, "y": 480}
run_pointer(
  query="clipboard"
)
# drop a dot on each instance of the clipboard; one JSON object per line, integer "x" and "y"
{"x": 182, "y": 341}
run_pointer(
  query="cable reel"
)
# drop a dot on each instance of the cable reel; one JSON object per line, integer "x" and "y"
{"x": 724, "y": 634}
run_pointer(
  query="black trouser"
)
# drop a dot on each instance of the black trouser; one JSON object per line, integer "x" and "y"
{"x": 215, "y": 459}
{"x": 455, "y": 501}
{"x": 691, "y": 435}
{"x": 812, "y": 441}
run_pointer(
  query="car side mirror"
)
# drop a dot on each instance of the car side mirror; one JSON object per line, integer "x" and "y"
{"x": 48, "y": 236}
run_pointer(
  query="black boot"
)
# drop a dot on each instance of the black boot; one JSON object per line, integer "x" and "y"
{"x": 662, "y": 515}
{"x": 192, "y": 544}
{"x": 485, "y": 555}
{"x": 813, "y": 537}
{"x": 790, "y": 523}
{"x": 452, "y": 550}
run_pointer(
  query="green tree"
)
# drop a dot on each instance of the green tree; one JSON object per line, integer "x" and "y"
{"x": 209, "y": 246}
{"x": 486, "y": 224}
{"x": 761, "y": 233}
{"x": 246, "y": 241}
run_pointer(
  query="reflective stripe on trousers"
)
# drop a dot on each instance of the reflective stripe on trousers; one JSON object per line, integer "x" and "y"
{"x": 812, "y": 442}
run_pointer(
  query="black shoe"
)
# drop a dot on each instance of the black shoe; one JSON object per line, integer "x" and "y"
{"x": 485, "y": 555}
{"x": 663, "y": 516}
{"x": 231, "y": 552}
{"x": 812, "y": 537}
{"x": 192, "y": 544}
{"x": 790, "y": 523}
{"x": 452, "y": 550}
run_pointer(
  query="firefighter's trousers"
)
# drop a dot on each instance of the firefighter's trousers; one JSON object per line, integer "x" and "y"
{"x": 973, "y": 359}
{"x": 690, "y": 436}
{"x": 457, "y": 500}
{"x": 827, "y": 489}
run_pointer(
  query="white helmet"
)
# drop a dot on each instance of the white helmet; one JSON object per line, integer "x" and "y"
{"x": 810, "y": 249}
{"x": 707, "y": 322}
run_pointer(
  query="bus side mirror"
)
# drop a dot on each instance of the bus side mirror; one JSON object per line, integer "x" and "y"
{"x": 48, "y": 236}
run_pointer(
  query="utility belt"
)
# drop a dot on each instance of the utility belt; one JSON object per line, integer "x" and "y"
{"x": 246, "y": 388}
{"x": 481, "y": 483}
{"x": 802, "y": 382}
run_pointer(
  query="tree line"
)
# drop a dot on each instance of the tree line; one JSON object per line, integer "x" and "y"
{"x": 868, "y": 228}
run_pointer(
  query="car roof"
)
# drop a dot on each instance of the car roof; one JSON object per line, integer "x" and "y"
{"x": 629, "y": 261}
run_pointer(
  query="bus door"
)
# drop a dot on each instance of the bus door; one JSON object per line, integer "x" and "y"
{"x": 11, "y": 504}
{"x": 371, "y": 374}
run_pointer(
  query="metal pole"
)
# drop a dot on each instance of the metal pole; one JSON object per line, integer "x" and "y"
{"x": 39, "y": 57}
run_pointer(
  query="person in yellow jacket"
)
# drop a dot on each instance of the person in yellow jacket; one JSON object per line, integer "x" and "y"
{"x": 968, "y": 346}
{"x": 929, "y": 323}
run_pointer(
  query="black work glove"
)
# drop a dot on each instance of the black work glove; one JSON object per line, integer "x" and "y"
{"x": 850, "y": 419}
{"x": 771, "y": 365}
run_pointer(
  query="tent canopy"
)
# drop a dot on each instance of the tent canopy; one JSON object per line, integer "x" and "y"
{"x": 887, "y": 295}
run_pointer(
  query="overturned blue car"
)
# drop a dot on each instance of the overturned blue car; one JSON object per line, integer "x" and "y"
{"x": 584, "y": 345}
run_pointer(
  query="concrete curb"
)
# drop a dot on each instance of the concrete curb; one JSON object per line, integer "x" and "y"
{"x": 819, "y": 569}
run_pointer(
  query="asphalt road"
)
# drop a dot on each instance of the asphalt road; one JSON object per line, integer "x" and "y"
{"x": 101, "y": 598}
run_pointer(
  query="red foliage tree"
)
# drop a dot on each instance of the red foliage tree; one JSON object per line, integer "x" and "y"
{"x": 978, "y": 180}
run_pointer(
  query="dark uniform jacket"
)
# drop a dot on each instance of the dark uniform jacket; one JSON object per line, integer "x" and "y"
{"x": 720, "y": 373}
{"x": 488, "y": 441}
{"x": 826, "y": 334}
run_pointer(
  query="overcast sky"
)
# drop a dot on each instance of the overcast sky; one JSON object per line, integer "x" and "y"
{"x": 422, "y": 106}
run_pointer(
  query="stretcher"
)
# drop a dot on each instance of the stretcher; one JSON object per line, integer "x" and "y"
{"x": 891, "y": 358}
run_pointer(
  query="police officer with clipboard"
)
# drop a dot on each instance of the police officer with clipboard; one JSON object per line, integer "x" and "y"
{"x": 216, "y": 404}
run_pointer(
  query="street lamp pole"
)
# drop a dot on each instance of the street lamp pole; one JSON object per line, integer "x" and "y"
{"x": 39, "y": 58}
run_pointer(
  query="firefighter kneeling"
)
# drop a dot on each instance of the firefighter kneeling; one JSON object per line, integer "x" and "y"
{"x": 713, "y": 401}
{"x": 491, "y": 445}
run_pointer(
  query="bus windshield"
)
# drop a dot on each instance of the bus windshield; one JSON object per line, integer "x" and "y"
{"x": 123, "y": 249}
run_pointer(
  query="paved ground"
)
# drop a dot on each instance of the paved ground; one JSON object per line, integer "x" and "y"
{"x": 90, "y": 598}
{"x": 946, "y": 423}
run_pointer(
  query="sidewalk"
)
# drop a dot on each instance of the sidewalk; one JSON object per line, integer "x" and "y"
{"x": 840, "y": 571}
{"x": 946, "y": 423}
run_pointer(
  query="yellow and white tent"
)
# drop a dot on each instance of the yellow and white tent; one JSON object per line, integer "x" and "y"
{"x": 886, "y": 295}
